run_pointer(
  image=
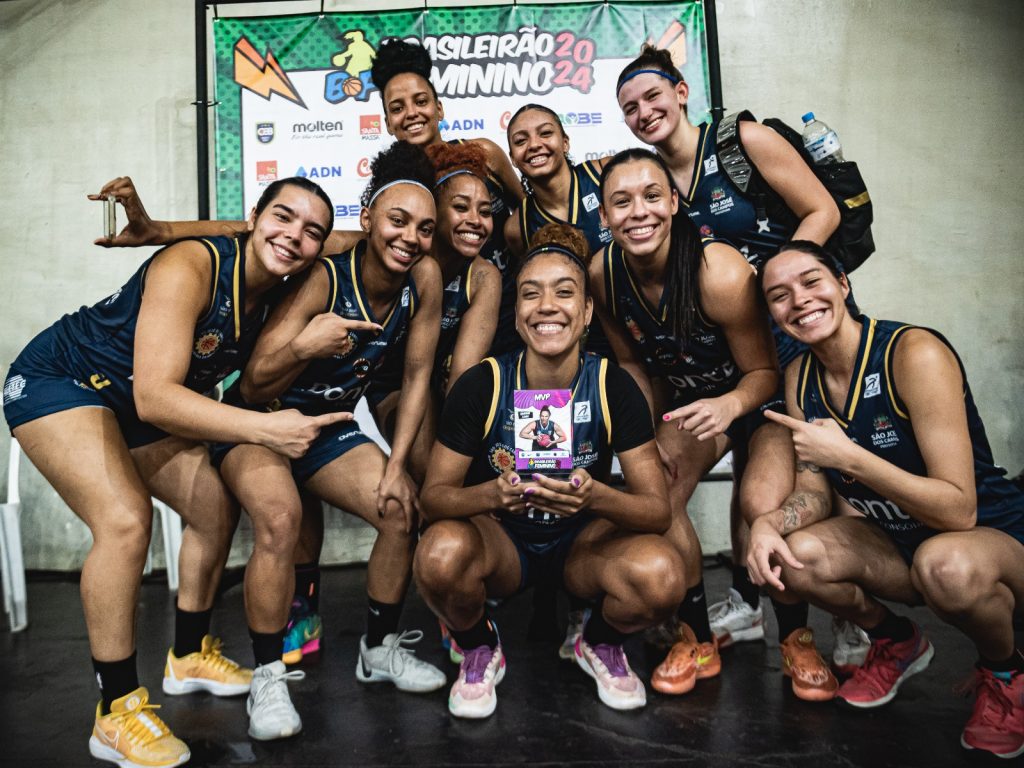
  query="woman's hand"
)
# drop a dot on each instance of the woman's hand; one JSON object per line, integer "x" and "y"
{"x": 705, "y": 419}
{"x": 140, "y": 229}
{"x": 328, "y": 334}
{"x": 290, "y": 434}
{"x": 765, "y": 550}
{"x": 821, "y": 442}
{"x": 398, "y": 489}
{"x": 508, "y": 488}
{"x": 564, "y": 498}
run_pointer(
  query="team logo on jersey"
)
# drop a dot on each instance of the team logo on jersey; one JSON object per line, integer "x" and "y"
{"x": 361, "y": 367}
{"x": 717, "y": 194}
{"x": 711, "y": 165}
{"x": 706, "y": 231}
{"x": 590, "y": 202}
{"x": 455, "y": 284}
{"x": 872, "y": 385}
{"x": 586, "y": 447}
{"x": 113, "y": 297}
{"x": 605, "y": 235}
{"x": 882, "y": 422}
{"x": 225, "y": 308}
{"x": 14, "y": 388}
{"x": 207, "y": 343}
{"x": 502, "y": 459}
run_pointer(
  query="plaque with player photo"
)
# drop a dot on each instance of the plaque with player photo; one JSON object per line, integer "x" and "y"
{"x": 543, "y": 428}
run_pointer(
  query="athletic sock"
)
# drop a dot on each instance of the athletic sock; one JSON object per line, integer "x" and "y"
{"x": 1006, "y": 668}
{"x": 597, "y": 631}
{"x": 189, "y": 629}
{"x": 307, "y": 584}
{"x": 116, "y": 679}
{"x": 266, "y": 646}
{"x": 694, "y": 611}
{"x": 381, "y": 620}
{"x": 481, "y": 633}
{"x": 892, "y": 627}
{"x": 790, "y": 617}
{"x": 749, "y": 591}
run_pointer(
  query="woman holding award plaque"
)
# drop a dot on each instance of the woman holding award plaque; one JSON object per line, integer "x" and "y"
{"x": 498, "y": 527}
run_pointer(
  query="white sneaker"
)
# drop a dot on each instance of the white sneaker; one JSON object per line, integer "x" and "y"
{"x": 850, "y": 647}
{"x": 271, "y": 713}
{"x": 473, "y": 693}
{"x": 617, "y": 683}
{"x": 391, "y": 662}
{"x": 733, "y": 620}
{"x": 567, "y": 651}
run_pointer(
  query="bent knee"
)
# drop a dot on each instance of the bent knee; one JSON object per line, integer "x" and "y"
{"x": 811, "y": 551}
{"x": 444, "y": 553}
{"x": 656, "y": 576}
{"x": 127, "y": 531}
{"x": 277, "y": 530}
{"x": 948, "y": 575}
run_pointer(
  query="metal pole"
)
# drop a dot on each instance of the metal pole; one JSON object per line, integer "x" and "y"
{"x": 202, "y": 104}
{"x": 714, "y": 70}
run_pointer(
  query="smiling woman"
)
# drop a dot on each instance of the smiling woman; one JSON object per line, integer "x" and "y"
{"x": 110, "y": 408}
{"x": 495, "y": 532}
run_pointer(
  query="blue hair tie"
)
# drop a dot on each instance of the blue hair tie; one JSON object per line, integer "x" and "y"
{"x": 671, "y": 78}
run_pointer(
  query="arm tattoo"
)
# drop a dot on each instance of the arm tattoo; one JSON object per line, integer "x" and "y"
{"x": 801, "y": 508}
{"x": 806, "y": 466}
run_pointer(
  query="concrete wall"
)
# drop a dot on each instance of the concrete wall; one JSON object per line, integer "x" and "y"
{"x": 924, "y": 93}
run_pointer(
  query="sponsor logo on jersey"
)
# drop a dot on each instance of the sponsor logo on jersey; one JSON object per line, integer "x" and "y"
{"x": 361, "y": 367}
{"x": 455, "y": 284}
{"x": 882, "y": 422}
{"x": 711, "y": 165}
{"x": 590, "y": 202}
{"x": 14, "y": 388}
{"x": 207, "y": 343}
{"x": 872, "y": 385}
{"x": 581, "y": 412}
{"x": 264, "y": 132}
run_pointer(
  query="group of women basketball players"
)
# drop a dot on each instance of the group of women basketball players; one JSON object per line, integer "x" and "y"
{"x": 862, "y": 468}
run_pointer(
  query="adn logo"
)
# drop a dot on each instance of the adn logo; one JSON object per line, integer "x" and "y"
{"x": 319, "y": 172}
{"x": 472, "y": 124}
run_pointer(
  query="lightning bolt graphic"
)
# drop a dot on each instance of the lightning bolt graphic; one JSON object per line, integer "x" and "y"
{"x": 262, "y": 76}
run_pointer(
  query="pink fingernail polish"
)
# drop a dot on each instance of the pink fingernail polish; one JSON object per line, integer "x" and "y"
{"x": 576, "y": 482}
{"x": 536, "y": 476}
{"x": 528, "y": 491}
{"x": 666, "y": 417}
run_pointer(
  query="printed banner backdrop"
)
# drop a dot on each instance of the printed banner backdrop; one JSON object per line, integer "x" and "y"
{"x": 296, "y": 97}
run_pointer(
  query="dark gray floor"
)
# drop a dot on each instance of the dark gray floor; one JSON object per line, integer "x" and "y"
{"x": 548, "y": 712}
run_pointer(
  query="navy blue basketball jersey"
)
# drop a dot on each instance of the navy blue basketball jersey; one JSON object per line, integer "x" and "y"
{"x": 496, "y": 251}
{"x": 697, "y": 367}
{"x": 584, "y": 199}
{"x": 455, "y": 301}
{"x": 718, "y": 209}
{"x": 591, "y": 430}
{"x": 875, "y": 418}
{"x": 337, "y": 383}
{"x": 99, "y": 341}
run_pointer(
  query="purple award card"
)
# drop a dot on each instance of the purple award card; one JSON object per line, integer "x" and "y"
{"x": 543, "y": 429}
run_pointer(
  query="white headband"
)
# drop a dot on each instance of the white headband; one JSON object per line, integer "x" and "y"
{"x": 376, "y": 194}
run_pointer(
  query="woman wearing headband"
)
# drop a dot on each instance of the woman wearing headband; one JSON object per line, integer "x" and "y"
{"x": 652, "y": 95}
{"x": 685, "y": 319}
{"x": 319, "y": 353}
{"x": 495, "y": 530}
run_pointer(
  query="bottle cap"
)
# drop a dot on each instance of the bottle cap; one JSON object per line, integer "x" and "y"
{"x": 808, "y": 117}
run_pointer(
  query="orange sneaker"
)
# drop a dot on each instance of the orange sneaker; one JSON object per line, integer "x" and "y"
{"x": 134, "y": 737}
{"x": 812, "y": 678}
{"x": 687, "y": 662}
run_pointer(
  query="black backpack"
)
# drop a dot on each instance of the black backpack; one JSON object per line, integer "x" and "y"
{"x": 852, "y": 242}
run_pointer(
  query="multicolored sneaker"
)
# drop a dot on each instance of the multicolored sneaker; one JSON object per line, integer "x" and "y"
{"x": 448, "y": 643}
{"x": 997, "y": 722}
{"x": 850, "y": 647}
{"x": 567, "y": 650}
{"x": 812, "y": 678}
{"x": 473, "y": 694}
{"x": 617, "y": 684}
{"x": 687, "y": 662}
{"x": 205, "y": 670}
{"x": 887, "y": 665}
{"x": 733, "y": 620}
{"x": 303, "y": 634}
{"x": 271, "y": 712}
{"x": 133, "y": 736}
{"x": 392, "y": 662}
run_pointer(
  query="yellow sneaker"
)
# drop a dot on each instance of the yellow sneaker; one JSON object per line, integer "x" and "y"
{"x": 205, "y": 670}
{"x": 134, "y": 737}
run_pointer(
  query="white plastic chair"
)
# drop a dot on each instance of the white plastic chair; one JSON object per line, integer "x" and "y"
{"x": 12, "y": 563}
{"x": 170, "y": 524}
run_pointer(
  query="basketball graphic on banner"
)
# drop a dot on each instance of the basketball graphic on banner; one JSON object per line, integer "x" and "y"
{"x": 352, "y": 87}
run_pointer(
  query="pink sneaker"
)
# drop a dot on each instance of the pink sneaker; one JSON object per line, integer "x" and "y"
{"x": 473, "y": 693}
{"x": 997, "y": 722}
{"x": 887, "y": 665}
{"x": 617, "y": 684}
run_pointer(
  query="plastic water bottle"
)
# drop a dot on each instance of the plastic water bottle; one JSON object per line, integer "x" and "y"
{"x": 821, "y": 142}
